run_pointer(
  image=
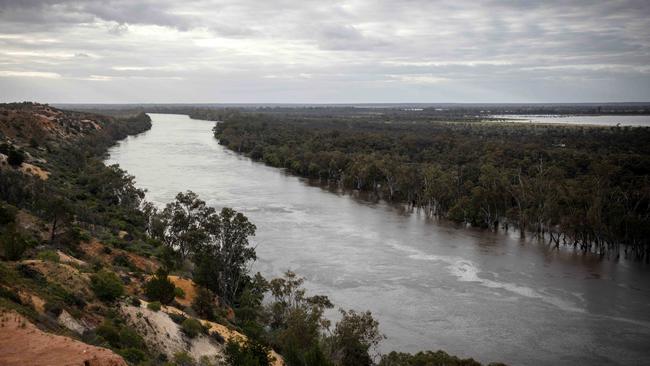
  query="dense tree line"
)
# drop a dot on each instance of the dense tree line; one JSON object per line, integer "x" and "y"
{"x": 584, "y": 186}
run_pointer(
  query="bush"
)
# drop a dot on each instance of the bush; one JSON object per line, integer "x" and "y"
{"x": 155, "y": 306}
{"x": 130, "y": 339}
{"x": 31, "y": 273}
{"x": 247, "y": 354}
{"x": 203, "y": 303}
{"x": 133, "y": 355}
{"x": 13, "y": 244}
{"x": 178, "y": 292}
{"x": 177, "y": 318}
{"x": 48, "y": 255}
{"x": 110, "y": 333}
{"x": 191, "y": 327}
{"x": 160, "y": 288}
{"x": 53, "y": 307}
{"x": 135, "y": 301}
{"x": 183, "y": 359}
{"x": 106, "y": 285}
{"x": 123, "y": 260}
{"x": 15, "y": 157}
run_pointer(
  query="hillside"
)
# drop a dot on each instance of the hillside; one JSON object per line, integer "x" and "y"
{"x": 71, "y": 225}
{"x": 92, "y": 274}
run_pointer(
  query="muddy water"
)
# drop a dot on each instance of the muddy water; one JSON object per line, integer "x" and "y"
{"x": 432, "y": 285}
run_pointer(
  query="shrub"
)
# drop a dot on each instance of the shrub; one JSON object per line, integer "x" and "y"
{"x": 130, "y": 339}
{"x": 249, "y": 353}
{"x": 133, "y": 355}
{"x": 177, "y": 318}
{"x": 155, "y": 306}
{"x": 160, "y": 288}
{"x": 53, "y": 307}
{"x": 122, "y": 260}
{"x": 106, "y": 285}
{"x": 135, "y": 301}
{"x": 183, "y": 359}
{"x": 203, "y": 303}
{"x": 7, "y": 214}
{"x": 110, "y": 333}
{"x": 48, "y": 255}
{"x": 178, "y": 292}
{"x": 191, "y": 327}
{"x": 29, "y": 272}
{"x": 15, "y": 157}
{"x": 13, "y": 244}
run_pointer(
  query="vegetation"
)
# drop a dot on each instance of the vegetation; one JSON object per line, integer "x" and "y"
{"x": 583, "y": 186}
{"x": 160, "y": 288}
{"x": 83, "y": 202}
{"x": 191, "y": 327}
{"x": 106, "y": 285}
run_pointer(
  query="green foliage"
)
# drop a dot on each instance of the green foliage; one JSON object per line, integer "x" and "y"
{"x": 191, "y": 327}
{"x": 425, "y": 359}
{"x": 177, "y": 318}
{"x": 354, "y": 336}
{"x": 155, "y": 306}
{"x": 585, "y": 185}
{"x": 15, "y": 157}
{"x": 204, "y": 303}
{"x": 250, "y": 353}
{"x": 133, "y": 355}
{"x": 123, "y": 260}
{"x": 13, "y": 243}
{"x": 178, "y": 292}
{"x": 7, "y": 214}
{"x": 106, "y": 285}
{"x": 183, "y": 359}
{"x": 48, "y": 255}
{"x": 160, "y": 288}
{"x": 217, "y": 242}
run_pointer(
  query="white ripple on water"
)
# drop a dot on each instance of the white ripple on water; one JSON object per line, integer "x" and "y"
{"x": 467, "y": 271}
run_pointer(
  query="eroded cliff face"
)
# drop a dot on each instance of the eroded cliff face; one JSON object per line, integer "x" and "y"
{"x": 23, "y": 344}
{"x": 40, "y": 123}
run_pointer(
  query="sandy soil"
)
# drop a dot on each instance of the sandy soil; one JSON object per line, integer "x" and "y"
{"x": 187, "y": 286}
{"x": 22, "y": 344}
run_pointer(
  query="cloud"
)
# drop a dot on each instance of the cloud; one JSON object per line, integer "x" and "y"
{"x": 332, "y": 51}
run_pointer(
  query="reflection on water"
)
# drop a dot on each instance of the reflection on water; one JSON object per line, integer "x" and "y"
{"x": 431, "y": 284}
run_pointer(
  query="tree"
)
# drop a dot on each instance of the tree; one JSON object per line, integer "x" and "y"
{"x": 204, "y": 303}
{"x": 353, "y": 338}
{"x": 222, "y": 263}
{"x": 247, "y": 353}
{"x": 296, "y": 319}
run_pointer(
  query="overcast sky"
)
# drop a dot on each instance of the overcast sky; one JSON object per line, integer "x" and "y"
{"x": 303, "y": 51}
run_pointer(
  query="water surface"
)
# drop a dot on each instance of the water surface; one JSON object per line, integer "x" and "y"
{"x": 609, "y": 120}
{"x": 432, "y": 285}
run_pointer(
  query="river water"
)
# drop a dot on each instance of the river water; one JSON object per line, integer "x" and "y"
{"x": 431, "y": 284}
{"x": 608, "y": 120}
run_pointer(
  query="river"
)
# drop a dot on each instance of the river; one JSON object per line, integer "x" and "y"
{"x": 431, "y": 284}
{"x": 605, "y": 120}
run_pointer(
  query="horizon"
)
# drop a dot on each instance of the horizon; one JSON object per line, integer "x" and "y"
{"x": 354, "y": 52}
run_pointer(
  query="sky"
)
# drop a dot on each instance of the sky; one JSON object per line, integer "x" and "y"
{"x": 327, "y": 51}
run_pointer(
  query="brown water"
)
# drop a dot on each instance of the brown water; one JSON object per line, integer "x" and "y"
{"x": 432, "y": 285}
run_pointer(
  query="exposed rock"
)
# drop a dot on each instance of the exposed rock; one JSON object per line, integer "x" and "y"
{"x": 71, "y": 323}
{"x": 22, "y": 344}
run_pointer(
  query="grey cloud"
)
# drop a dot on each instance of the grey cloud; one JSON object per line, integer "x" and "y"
{"x": 335, "y": 49}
